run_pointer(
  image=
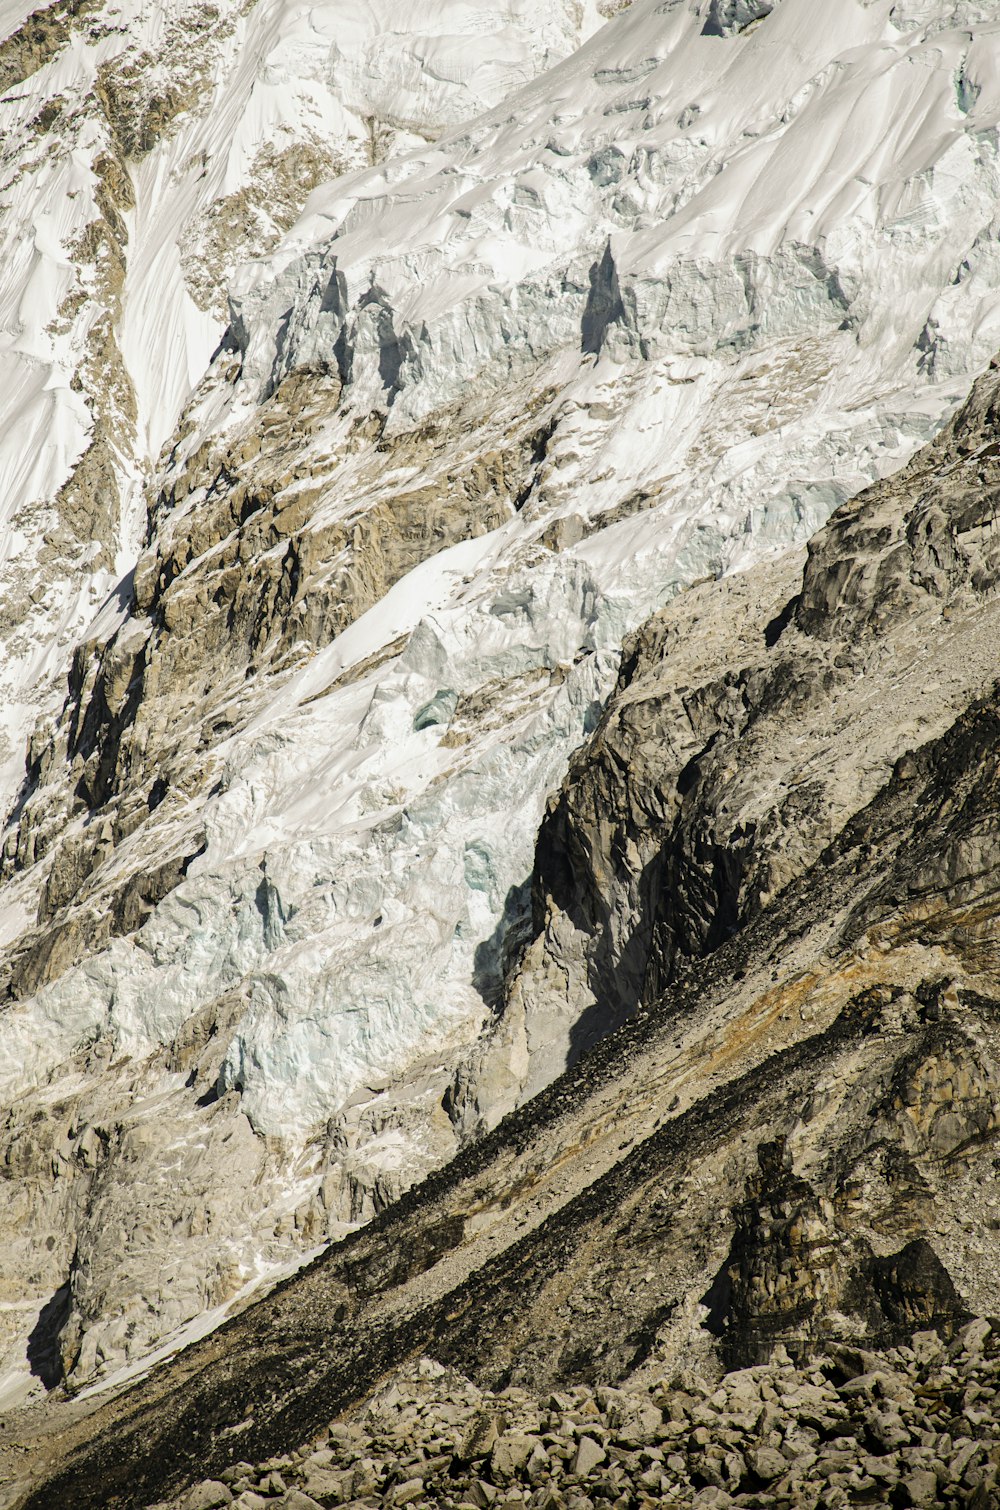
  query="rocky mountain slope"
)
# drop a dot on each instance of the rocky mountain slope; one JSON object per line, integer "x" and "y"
{"x": 791, "y": 1141}
{"x": 281, "y": 932}
{"x": 146, "y": 152}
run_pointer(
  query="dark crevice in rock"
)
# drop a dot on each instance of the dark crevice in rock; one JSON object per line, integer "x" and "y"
{"x": 44, "y": 1353}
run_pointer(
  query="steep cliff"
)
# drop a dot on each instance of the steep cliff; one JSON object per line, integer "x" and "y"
{"x": 791, "y": 1140}
{"x": 751, "y": 721}
{"x": 270, "y": 948}
{"x": 148, "y": 150}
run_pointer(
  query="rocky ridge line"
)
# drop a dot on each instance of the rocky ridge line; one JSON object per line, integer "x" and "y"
{"x": 583, "y": 1238}
{"x": 236, "y": 1016}
{"x": 749, "y": 722}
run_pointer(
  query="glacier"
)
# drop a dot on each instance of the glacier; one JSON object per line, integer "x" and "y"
{"x": 645, "y": 318}
{"x": 145, "y": 153}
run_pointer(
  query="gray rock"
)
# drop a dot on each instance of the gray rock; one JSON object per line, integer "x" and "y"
{"x": 237, "y": 1471}
{"x": 927, "y": 1346}
{"x": 510, "y": 1455}
{"x": 973, "y": 1336}
{"x": 538, "y": 1463}
{"x": 547, "y": 1498}
{"x": 207, "y": 1495}
{"x": 366, "y": 1477}
{"x": 766, "y": 1463}
{"x": 712, "y": 1498}
{"x": 921, "y": 1486}
{"x": 324, "y": 1482}
{"x": 479, "y": 1436}
{"x": 963, "y": 1453}
{"x": 588, "y": 1456}
{"x": 405, "y": 1493}
{"x": 294, "y": 1499}
{"x": 887, "y": 1427}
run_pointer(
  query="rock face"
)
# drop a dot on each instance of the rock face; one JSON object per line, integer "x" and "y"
{"x": 781, "y": 1169}
{"x": 145, "y": 154}
{"x": 728, "y": 17}
{"x": 751, "y": 721}
{"x": 272, "y": 947}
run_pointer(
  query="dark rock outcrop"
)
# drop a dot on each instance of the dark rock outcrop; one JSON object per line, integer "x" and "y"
{"x": 752, "y": 719}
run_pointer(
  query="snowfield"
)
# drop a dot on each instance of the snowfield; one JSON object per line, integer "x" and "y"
{"x": 271, "y": 97}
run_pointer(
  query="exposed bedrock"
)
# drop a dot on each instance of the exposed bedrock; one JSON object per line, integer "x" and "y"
{"x": 261, "y": 557}
{"x": 795, "y": 1145}
{"x": 753, "y": 718}
{"x": 750, "y": 721}
{"x": 256, "y": 562}
{"x": 485, "y": 408}
{"x": 792, "y": 1140}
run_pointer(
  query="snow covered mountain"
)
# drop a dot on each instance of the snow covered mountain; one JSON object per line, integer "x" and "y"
{"x": 147, "y": 149}
{"x": 492, "y": 399}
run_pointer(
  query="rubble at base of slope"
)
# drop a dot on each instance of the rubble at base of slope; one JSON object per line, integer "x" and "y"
{"x": 913, "y": 1425}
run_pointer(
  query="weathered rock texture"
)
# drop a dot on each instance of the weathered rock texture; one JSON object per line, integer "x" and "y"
{"x": 791, "y": 1141}
{"x": 752, "y": 719}
{"x": 259, "y": 554}
{"x": 482, "y": 409}
{"x": 145, "y": 153}
{"x": 916, "y": 1424}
